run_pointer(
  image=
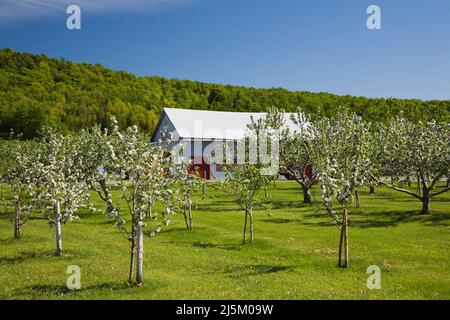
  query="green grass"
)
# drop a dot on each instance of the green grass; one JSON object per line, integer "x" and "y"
{"x": 293, "y": 257}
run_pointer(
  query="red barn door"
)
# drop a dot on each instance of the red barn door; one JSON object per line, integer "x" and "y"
{"x": 203, "y": 170}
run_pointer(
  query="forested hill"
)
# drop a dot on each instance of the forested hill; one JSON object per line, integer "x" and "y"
{"x": 36, "y": 90}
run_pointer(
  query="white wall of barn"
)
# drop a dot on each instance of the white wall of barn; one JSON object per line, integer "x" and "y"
{"x": 198, "y": 151}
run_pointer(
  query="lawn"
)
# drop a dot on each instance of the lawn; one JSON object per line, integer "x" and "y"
{"x": 294, "y": 255}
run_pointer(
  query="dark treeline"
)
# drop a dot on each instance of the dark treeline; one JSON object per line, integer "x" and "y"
{"x": 36, "y": 90}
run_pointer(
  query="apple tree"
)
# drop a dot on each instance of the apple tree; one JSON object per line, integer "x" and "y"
{"x": 413, "y": 149}
{"x": 341, "y": 152}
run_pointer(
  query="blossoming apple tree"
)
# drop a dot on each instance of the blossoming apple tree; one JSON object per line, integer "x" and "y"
{"x": 21, "y": 177}
{"x": 61, "y": 183}
{"x": 341, "y": 152}
{"x": 294, "y": 159}
{"x": 187, "y": 181}
{"x": 142, "y": 173}
{"x": 246, "y": 179}
{"x": 413, "y": 149}
{"x": 244, "y": 182}
{"x": 97, "y": 152}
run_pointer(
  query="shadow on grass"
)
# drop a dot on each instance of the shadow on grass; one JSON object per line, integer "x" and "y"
{"x": 181, "y": 229}
{"x": 21, "y": 257}
{"x": 389, "y": 219}
{"x": 108, "y": 286}
{"x": 281, "y": 221}
{"x": 303, "y": 216}
{"x": 394, "y": 218}
{"x": 6, "y": 215}
{"x": 289, "y": 204}
{"x": 440, "y": 200}
{"x": 10, "y": 216}
{"x": 217, "y": 206}
{"x": 255, "y": 270}
{"x": 123, "y": 285}
{"x": 205, "y": 245}
{"x": 48, "y": 289}
{"x": 33, "y": 254}
{"x": 60, "y": 290}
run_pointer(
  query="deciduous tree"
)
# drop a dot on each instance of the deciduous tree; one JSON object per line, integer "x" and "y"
{"x": 22, "y": 177}
{"x": 245, "y": 180}
{"x": 341, "y": 151}
{"x": 61, "y": 182}
{"x": 405, "y": 149}
{"x": 141, "y": 172}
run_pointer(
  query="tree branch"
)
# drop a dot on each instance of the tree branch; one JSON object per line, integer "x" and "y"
{"x": 435, "y": 180}
{"x": 439, "y": 192}
{"x": 99, "y": 193}
{"x": 395, "y": 188}
{"x": 424, "y": 179}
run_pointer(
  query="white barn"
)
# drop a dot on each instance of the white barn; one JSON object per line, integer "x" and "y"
{"x": 199, "y": 128}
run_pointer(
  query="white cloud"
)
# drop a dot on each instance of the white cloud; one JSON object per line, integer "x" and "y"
{"x": 17, "y": 10}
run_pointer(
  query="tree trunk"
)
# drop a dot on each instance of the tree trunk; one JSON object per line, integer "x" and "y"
{"x": 108, "y": 197}
{"x": 17, "y": 215}
{"x": 426, "y": 209}
{"x": 306, "y": 194}
{"x": 132, "y": 247}
{"x": 149, "y": 213}
{"x": 245, "y": 224}
{"x": 357, "y": 199}
{"x": 251, "y": 223}
{"x": 139, "y": 253}
{"x": 425, "y": 199}
{"x": 185, "y": 214}
{"x": 190, "y": 213}
{"x": 448, "y": 183}
{"x": 344, "y": 240}
{"x": 58, "y": 219}
{"x": 372, "y": 189}
{"x": 341, "y": 241}
{"x": 418, "y": 185}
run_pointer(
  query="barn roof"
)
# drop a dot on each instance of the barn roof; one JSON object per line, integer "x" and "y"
{"x": 205, "y": 124}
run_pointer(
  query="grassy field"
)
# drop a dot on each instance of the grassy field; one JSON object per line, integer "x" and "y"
{"x": 294, "y": 255}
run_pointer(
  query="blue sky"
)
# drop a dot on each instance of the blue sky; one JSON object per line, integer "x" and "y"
{"x": 319, "y": 46}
